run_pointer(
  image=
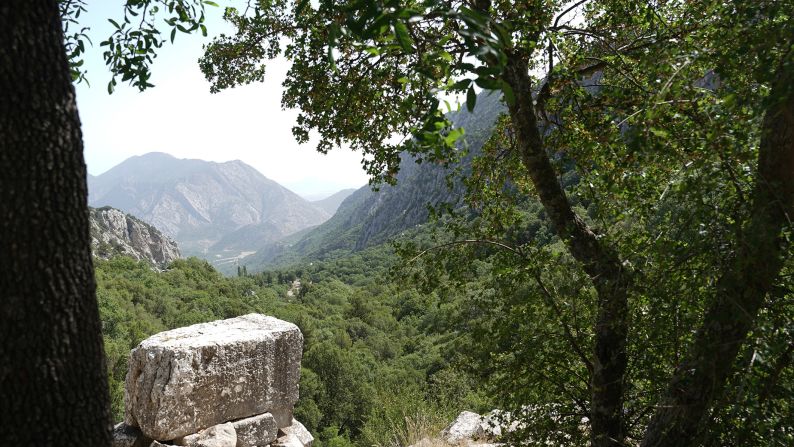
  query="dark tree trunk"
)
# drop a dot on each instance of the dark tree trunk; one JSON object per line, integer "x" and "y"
{"x": 601, "y": 263}
{"x": 53, "y": 386}
{"x": 741, "y": 291}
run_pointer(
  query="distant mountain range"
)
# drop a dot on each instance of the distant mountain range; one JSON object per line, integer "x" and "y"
{"x": 366, "y": 218}
{"x": 229, "y": 213}
{"x": 331, "y": 203}
{"x": 213, "y": 210}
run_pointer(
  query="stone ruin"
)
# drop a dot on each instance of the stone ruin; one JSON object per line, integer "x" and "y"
{"x": 228, "y": 383}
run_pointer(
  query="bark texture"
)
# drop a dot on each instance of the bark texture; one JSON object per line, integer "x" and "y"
{"x": 53, "y": 386}
{"x": 601, "y": 263}
{"x": 741, "y": 291}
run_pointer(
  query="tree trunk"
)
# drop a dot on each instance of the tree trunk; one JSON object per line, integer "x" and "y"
{"x": 741, "y": 291}
{"x": 601, "y": 263}
{"x": 53, "y": 386}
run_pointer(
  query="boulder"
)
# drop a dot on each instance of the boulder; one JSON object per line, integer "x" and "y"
{"x": 295, "y": 435}
{"x": 221, "y": 435}
{"x": 299, "y": 431}
{"x": 187, "y": 379}
{"x": 468, "y": 426}
{"x": 255, "y": 431}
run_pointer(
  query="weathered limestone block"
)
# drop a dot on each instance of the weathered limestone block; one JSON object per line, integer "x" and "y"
{"x": 256, "y": 431}
{"x": 467, "y": 426}
{"x": 295, "y": 435}
{"x": 187, "y": 379}
{"x": 125, "y": 436}
{"x": 221, "y": 435}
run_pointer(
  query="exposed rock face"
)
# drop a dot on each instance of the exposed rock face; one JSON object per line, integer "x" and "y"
{"x": 187, "y": 379}
{"x": 115, "y": 233}
{"x": 466, "y": 426}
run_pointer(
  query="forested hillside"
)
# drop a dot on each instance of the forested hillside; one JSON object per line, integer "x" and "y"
{"x": 383, "y": 362}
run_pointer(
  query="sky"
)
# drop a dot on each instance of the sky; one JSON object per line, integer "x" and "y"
{"x": 181, "y": 117}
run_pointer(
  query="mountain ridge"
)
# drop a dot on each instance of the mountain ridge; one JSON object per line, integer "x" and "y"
{"x": 366, "y": 218}
{"x": 199, "y": 203}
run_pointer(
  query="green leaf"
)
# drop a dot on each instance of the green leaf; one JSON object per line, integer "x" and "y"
{"x": 471, "y": 99}
{"x": 173, "y": 35}
{"x": 301, "y": 6}
{"x": 401, "y": 31}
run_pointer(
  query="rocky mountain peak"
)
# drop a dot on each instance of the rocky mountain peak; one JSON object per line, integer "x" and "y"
{"x": 115, "y": 233}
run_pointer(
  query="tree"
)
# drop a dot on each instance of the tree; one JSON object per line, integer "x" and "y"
{"x": 627, "y": 95}
{"x": 53, "y": 381}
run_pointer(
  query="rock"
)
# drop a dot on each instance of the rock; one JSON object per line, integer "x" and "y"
{"x": 183, "y": 380}
{"x": 297, "y": 430}
{"x": 115, "y": 233}
{"x": 255, "y": 431}
{"x": 221, "y": 435}
{"x": 287, "y": 441}
{"x": 283, "y": 416}
{"x": 125, "y": 436}
{"x": 467, "y": 426}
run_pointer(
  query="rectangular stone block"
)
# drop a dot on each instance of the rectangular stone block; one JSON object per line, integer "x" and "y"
{"x": 187, "y": 379}
{"x": 255, "y": 431}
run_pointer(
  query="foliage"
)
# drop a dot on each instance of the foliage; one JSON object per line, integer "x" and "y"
{"x": 133, "y": 44}
{"x": 365, "y": 360}
{"x": 651, "y": 116}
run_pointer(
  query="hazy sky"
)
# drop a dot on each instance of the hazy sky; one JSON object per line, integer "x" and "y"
{"x": 179, "y": 116}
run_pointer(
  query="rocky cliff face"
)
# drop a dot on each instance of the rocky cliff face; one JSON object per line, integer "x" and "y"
{"x": 115, "y": 233}
{"x": 211, "y": 209}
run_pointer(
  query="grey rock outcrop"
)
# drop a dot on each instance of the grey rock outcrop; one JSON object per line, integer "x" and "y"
{"x": 466, "y": 426}
{"x": 470, "y": 429}
{"x": 114, "y": 233}
{"x": 182, "y": 381}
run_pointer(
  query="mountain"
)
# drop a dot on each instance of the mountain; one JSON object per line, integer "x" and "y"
{"x": 367, "y": 218}
{"x": 332, "y": 202}
{"x": 213, "y": 210}
{"x": 114, "y": 233}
